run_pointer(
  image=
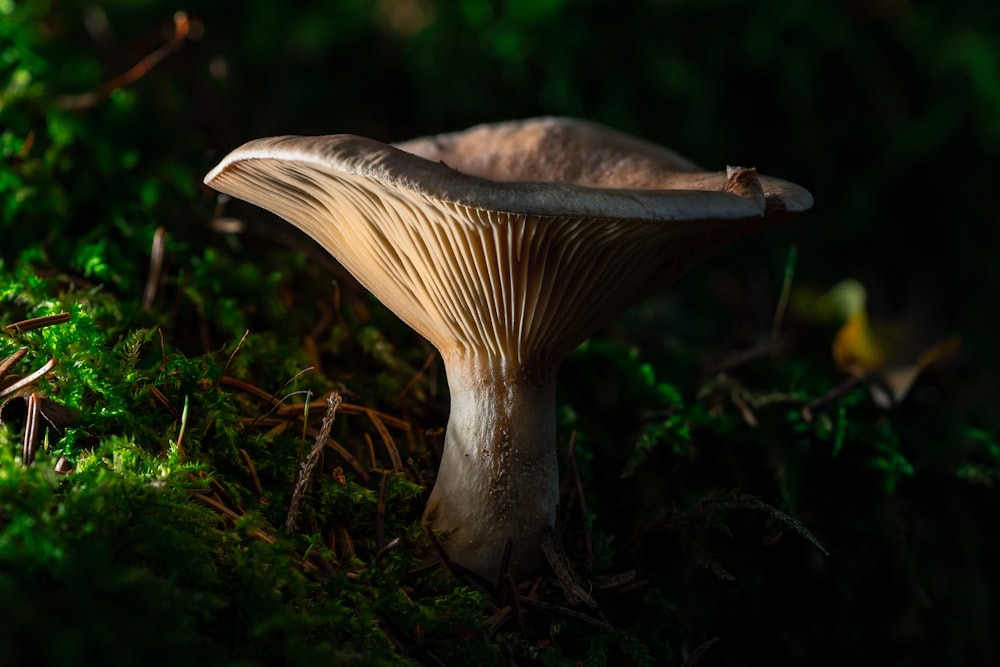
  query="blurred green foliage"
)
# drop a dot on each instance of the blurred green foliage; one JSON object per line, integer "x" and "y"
{"x": 888, "y": 111}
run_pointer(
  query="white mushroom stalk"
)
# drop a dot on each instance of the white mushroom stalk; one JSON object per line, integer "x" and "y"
{"x": 505, "y": 246}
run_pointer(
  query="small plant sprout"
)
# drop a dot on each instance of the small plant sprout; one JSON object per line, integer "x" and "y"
{"x": 505, "y": 246}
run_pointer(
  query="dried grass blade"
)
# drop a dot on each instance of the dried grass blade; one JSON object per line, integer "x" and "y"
{"x": 38, "y": 322}
{"x": 155, "y": 275}
{"x": 390, "y": 445}
{"x": 306, "y": 469}
{"x": 30, "y": 443}
{"x": 10, "y": 361}
{"x": 27, "y": 379}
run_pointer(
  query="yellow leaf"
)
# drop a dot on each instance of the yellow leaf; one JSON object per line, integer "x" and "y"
{"x": 856, "y": 350}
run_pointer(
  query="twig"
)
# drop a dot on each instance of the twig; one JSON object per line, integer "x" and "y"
{"x": 810, "y": 409}
{"x": 622, "y": 583}
{"x": 38, "y": 322}
{"x": 390, "y": 546}
{"x": 456, "y": 568}
{"x": 565, "y": 575}
{"x": 497, "y": 620}
{"x": 371, "y": 451}
{"x": 270, "y": 422}
{"x": 27, "y": 379}
{"x": 390, "y": 445}
{"x": 345, "y": 409}
{"x": 234, "y": 352}
{"x": 767, "y": 348}
{"x": 699, "y": 653}
{"x": 345, "y": 543}
{"x": 748, "y": 416}
{"x": 30, "y": 442}
{"x": 226, "y": 380}
{"x": 217, "y": 505}
{"x": 153, "y": 279}
{"x": 305, "y": 470}
{"x": 85, "y": 100}
{"x": 164, "y": 401}
{"x": 10, "y": 361}
{"x": 568, "y": 613}
{"x": 253, "y": 473}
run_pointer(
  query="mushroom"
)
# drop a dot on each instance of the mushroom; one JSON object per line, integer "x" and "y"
{"x": 505, "y": 246}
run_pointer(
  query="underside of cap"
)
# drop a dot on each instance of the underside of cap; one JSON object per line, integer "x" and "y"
{"x": 516, "y": 239}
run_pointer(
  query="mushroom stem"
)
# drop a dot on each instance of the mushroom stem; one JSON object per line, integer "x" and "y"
{"x": 499, "y": 476}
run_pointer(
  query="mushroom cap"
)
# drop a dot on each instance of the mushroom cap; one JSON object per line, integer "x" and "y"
{"x": 578, "y": 152}
{"x": 515, "y": 239}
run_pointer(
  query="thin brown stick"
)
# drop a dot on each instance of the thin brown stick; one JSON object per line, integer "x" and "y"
{"x": 253, "y": 473}
{"x": 223, "y": 495}
{"x": 271, "y": 422}
{"x": 456, "y": 568}
{"x": 497, "y": 620}
{"x": 27, "y": 379}
{"x": 348, "y": 409}
{"x": 826, "y": 400}
{"x": 346, "y": 544}
{"x": 29, "y": 141}
{"x": 164, "y": 401}
{"x": 766, "y": 348}
{"x": 155, "y": 275}
{"x": 272, "y": 399}
{"x": 234, "y": 353}
{"x": 85, "y": 100}
{"x": 10, "y": 361}
{"x": 565, "y": 576}
{"x": 568, "y": 613}
{"x": 307, "y": 466}
{"x": 699, "y": 653}
{"x": 389, "y": 546}
{"x": 390, "y": 445}
{"x": 229, "y": 381}
{"x": 371, "y": 451}
{"x": 217, "y": 505}
{"x": 386, "y": 419}
{"x": 30, "y": 443}
{"x": 745, "y": 411}
{"x": 617, "y": 581}
{"x": 38, "y": 322}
